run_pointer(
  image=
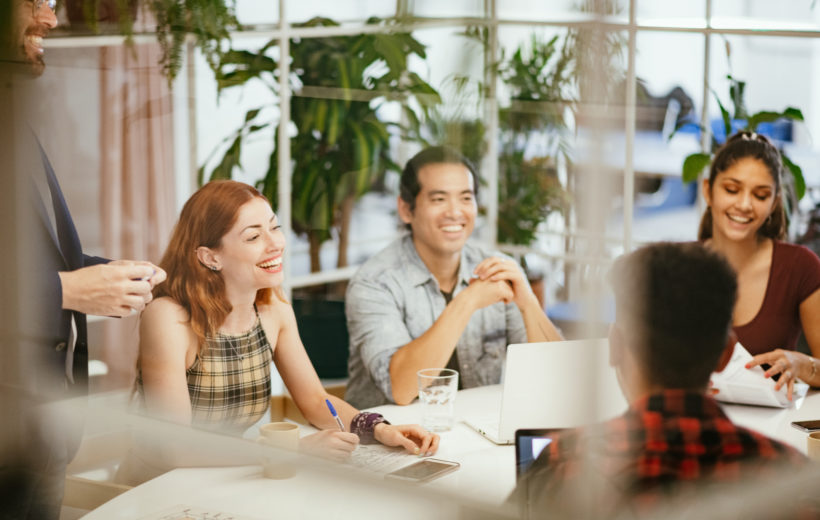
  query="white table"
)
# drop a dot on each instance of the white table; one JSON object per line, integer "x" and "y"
{"x": 486, "y": 476}
{"x": 320, "y": 488}
{"x": 776, "y": 422}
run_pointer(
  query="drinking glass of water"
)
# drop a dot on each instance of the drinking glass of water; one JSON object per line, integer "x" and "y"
{"x": 437, "y": 394}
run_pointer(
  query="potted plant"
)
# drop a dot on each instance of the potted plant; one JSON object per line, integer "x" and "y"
{"x": 740, "y": 119}
{"x": 209, "y": 21}
{"x": 532, "y": 134}
{"x": 341, "y": 148}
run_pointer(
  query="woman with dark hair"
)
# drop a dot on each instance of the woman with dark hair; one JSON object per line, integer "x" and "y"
{"x": 208, "y": 338}
{"x": 778, "y": 282}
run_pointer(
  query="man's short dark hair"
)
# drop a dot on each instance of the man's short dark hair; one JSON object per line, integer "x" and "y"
{"x": 676, "y": 300}
{"x": 410, "y": 187}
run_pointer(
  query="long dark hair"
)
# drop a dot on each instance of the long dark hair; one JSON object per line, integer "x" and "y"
{"x": 740, "y": 146}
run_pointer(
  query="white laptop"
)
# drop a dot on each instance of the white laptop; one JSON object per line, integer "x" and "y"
{"x": 556, "y": 384}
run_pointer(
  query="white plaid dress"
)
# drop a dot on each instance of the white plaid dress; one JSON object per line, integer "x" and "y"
{"x": 229, "y": 383}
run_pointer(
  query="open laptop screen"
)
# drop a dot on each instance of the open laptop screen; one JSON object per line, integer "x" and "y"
{"x": 529, "y": 443}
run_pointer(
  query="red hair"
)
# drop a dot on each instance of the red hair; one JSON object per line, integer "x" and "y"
{"x": 207, "y": 216}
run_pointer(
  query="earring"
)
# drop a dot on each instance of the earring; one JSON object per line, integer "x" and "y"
{"x": 213, "y": 268}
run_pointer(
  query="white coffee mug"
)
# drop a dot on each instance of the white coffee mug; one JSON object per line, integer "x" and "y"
{"x": 813, "y": 446}
{"x": 282, "y": 435}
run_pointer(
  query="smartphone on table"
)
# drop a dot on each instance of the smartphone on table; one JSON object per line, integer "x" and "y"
{"x": 807, "y": 426}
{"x": 424, "y": 470}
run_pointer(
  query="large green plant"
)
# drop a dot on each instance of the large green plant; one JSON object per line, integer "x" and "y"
{"x": 740, "y": 119}
{"x": 341, "y": 146}
{"x": 737, "y": 120}
{"x": 539, "y": 78}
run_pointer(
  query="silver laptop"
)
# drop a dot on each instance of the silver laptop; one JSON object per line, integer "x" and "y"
{"x": 556, "y": 384}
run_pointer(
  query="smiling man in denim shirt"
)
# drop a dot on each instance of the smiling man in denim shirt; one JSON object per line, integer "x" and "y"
{"x": 432, "y": 300}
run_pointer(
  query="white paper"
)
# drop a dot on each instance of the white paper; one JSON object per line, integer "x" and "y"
{"x": 741, "y": 385}
{"x": 381, "y": 459}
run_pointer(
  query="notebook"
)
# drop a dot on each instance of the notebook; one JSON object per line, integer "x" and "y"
{"x": 556, "y": 384}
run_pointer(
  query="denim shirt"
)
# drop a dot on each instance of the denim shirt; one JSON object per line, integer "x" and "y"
{"x": 393, "y": 299}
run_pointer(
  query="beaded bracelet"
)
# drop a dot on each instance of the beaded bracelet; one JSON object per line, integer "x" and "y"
{"x": 364, "y": 424}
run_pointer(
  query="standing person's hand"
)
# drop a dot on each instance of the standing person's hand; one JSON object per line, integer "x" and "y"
{"x": 158, "y": 274}
{"x": 113, "y": 289}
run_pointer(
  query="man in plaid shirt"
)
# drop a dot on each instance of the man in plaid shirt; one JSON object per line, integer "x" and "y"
{"x": 674, "y": 307}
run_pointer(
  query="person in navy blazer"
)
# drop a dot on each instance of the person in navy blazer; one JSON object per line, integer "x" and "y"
{"x": 48, "y": 286}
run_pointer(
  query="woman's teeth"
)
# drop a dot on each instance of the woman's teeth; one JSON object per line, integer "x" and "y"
{"x": 739, "y": 220}
{"x": 271, "y": 264}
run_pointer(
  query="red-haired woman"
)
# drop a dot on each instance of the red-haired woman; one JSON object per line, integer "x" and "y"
{"x": 207, "y": 339}
{"x": 778, "y": 283}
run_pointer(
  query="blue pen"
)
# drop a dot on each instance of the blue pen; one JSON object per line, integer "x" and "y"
{"x": 335, "y": 415}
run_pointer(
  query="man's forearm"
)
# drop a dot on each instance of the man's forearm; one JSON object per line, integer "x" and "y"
{"x": 432, "y": 349}
{"x": 538, "y": 325}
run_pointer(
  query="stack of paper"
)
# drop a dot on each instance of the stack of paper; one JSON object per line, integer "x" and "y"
{"x": 738, "y": 384}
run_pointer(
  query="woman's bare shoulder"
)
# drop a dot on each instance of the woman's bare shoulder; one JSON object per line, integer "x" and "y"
{"x": 165, "y": 328}
{"x": 165, "y": 313}
{"x": 167, "y": 307}
{"x": 276, "y": 311}
{"x": 276, "y": 316}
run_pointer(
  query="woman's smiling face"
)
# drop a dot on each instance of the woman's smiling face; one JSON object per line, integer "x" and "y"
{"x": 741, "y": 199}
{"x": 250, "y": 254}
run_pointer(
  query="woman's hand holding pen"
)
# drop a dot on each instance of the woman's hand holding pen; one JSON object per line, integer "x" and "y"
{"x": 330, "y": 444}
{"x": 411, "y": 437}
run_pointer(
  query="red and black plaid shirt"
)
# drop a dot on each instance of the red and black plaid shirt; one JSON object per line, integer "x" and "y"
{"x": 658, "y": 449}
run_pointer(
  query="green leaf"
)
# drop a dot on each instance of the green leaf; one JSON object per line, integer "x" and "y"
{"x": 768, "y": 116}
{"x": 797, "y": 173}
{"x": 694, "y": 164}
{"x": 344, "y": 78}
{"x": 793, "y": 113}
{"x": 727, "y": 120}
{"x": 362, "y": 158}
{"x": 303, "y": 207}
{"x": 316, "y": 113}
{"x": 764, "y": 116}
{"x": 334, "y": 122}
{"x": 392, "y": 53}
{"x": 250, "y": 114}
{"x": 255, "y": 128}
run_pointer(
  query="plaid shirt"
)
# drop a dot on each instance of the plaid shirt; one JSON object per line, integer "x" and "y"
{"x": 230, "y": 382}
{"x": 663, "y": 444}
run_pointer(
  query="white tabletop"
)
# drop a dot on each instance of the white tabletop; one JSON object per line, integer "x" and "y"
{"x": 486, "y": 476}
{"x": 776, "y": 422}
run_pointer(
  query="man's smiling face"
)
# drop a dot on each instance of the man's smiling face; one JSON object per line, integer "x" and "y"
{"x": 34, "y": 19}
